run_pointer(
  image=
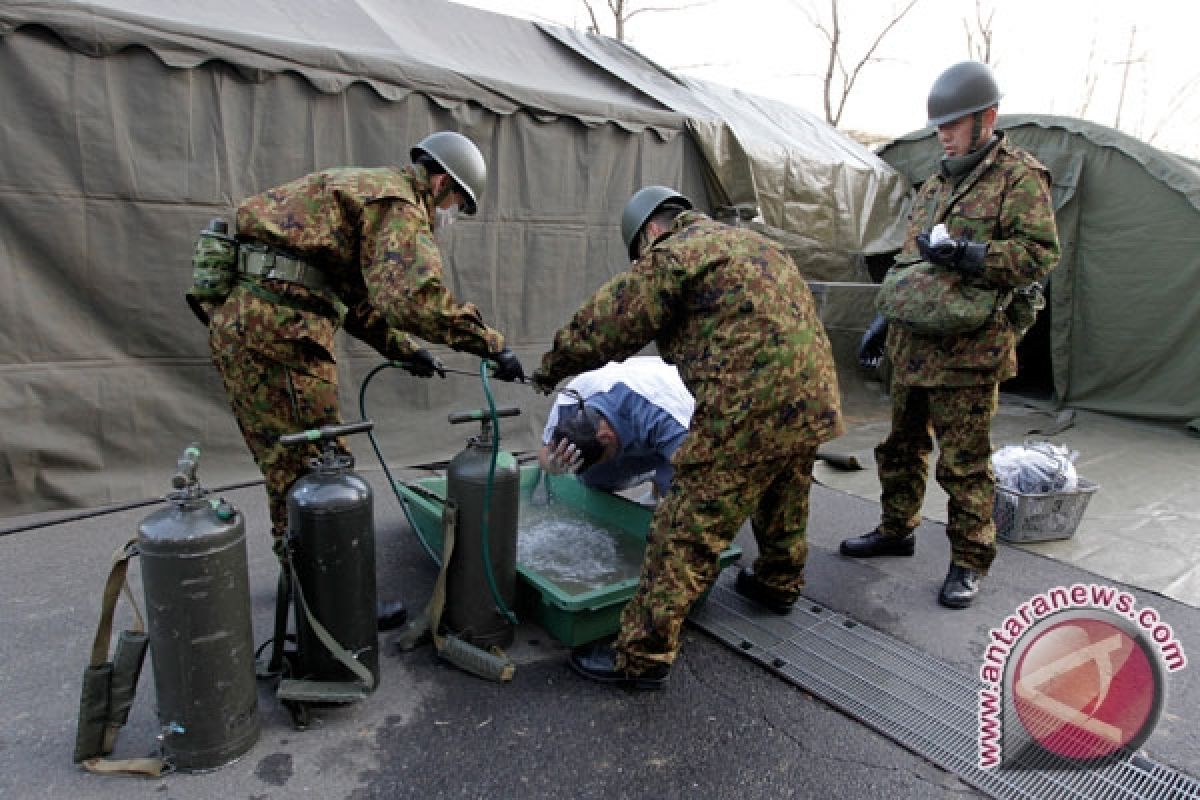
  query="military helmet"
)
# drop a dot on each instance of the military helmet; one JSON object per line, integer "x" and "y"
{"x": 579, "y": 424}
{"x": 962, "y": 89}
{"x": 641, "y": 207}
{"x": 461, "y": 159}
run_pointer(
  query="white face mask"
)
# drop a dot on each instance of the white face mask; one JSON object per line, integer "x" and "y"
{"x": 445, "y": 218}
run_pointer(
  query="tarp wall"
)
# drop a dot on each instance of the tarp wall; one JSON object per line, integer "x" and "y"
{"x": 1125, "y": 299}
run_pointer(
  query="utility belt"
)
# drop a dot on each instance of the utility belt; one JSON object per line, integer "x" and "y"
{"x": 219, "y": 262}
{"x": 260, "y": 261}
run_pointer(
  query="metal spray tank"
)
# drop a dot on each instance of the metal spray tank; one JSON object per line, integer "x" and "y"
{"x": 331, "y": 548}
{"x": 196, "y": 583}
{"x": 473, "y": 580}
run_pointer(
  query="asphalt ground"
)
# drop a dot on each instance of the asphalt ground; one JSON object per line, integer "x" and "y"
{"x": 723, "y": 727}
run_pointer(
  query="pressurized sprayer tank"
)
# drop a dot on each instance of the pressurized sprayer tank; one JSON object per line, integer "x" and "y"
{"x": 331, "y": 547}
{"x": 196, "y": 582}
{"x": 471, "y": 610}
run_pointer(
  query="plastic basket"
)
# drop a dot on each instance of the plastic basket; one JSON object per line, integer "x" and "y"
{"x": 1040, "y": 517}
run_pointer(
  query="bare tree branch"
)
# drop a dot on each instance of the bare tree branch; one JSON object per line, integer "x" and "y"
{"x": 592, "y": 13}
{"x": 622, "y": 11}
{"x": 1128, "y": 62}
{"x": 1181, "y": 96}
{"x": 1090, "y": 79}
{"x": 980, "y": 49}
{"x": 683, "y": 7}
{"x": 849, "y": 84}
{"x": 838, "y": 79}
{"x": 835, "y": 57}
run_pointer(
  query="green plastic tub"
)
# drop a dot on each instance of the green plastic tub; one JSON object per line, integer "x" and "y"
{"x": 572, "y": 613}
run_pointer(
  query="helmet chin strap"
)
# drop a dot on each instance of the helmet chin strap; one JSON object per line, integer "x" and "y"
{"x": 976, "y": 130}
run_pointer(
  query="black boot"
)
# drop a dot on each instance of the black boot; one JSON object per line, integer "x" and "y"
{"x": 598, "y": 662}
{"x": 750, "y": 587}
{"x": 878, "y": 543}
{"x": 960, "y": 587}
{"x": 389, "y": 616}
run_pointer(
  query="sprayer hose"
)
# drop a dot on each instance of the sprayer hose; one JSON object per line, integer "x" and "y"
{"x": 487, "y": 496}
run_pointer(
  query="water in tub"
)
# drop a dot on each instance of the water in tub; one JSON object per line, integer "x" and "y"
{"x": 570, "y": 550}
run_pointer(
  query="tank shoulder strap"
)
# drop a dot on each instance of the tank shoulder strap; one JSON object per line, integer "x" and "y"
{"x": 493, "y": 664}
{"x": 344, "y": 657}
{"x": 109, "y": 686}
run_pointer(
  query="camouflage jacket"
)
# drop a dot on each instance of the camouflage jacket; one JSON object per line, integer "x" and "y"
{"x": 1005, "y": 201}
{"x": 732, "y": 312}
{"x": 370, "y": 233}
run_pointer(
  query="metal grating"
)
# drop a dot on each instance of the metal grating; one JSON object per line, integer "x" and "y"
{"x": 923, "y": 704}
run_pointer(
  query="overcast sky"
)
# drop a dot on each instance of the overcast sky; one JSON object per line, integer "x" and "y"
{"x": 1045, "y": 53}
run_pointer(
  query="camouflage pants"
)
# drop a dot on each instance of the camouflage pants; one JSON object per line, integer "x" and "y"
{"x": 269, "y": 399}
{"x": 698, "y": 518}
{"x": 961, "y": 419}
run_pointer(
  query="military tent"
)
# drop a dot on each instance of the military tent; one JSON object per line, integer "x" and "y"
{"x": 128, "y": 124}
{"x": 1119, "y": 332}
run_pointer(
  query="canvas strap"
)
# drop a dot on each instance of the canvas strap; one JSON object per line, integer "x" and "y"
{"x": 326, "y": 638}
{"x": 109, "y": 686}
{"x": 491, "y": 664}
{"x": 266, "y": 262}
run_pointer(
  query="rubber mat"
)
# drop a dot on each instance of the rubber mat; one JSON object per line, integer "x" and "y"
{"x": 924, "y": 705}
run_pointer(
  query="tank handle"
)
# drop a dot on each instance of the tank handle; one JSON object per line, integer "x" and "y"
{"x": 327, "y": 432}
{"x": 481, "y": 414}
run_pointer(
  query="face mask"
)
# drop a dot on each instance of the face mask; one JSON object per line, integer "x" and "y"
{"x": 445, "y": 218}
{"x": 643, "y": 242}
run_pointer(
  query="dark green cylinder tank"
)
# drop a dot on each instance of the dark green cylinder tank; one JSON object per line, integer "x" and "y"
{"x": 197, "y": 590}
{"x": 470, "y": 610}
{"x": 331, "y": 542}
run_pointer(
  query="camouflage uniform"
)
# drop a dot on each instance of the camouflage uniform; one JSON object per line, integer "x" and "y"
{"x": 733, "y": 313}
{"x": 370, "y": 233}
{"x": 949, "y": 384}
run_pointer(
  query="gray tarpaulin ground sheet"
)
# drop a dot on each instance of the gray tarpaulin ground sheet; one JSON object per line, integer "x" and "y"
{"x": 128, "y": 124}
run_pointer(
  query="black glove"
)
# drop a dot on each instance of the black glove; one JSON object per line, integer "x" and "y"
{"x": 870, "y": 349}
{"x": 508, "y": 367}
{"x": 962, "y": 255}
{"x": 541, "y": 382}
{"x": 422, "y": 364}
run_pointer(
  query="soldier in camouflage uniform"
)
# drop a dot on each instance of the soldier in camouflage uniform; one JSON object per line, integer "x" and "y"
{"x": 350, "y": 248}
{"x": 733, "y": 313}
{"x": 994, "y": 200}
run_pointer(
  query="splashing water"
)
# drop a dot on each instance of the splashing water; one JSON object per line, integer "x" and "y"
{"x": 573, "y": 552}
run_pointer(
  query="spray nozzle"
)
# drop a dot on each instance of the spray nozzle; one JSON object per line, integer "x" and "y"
{"x": 185, "y": 468}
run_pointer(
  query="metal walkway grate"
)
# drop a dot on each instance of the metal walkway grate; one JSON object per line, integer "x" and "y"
{"x": 921, "y": 703}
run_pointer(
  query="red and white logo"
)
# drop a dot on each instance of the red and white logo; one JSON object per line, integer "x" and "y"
{"x": 1084, "y": 685}
{"x": 1074, "y": 676}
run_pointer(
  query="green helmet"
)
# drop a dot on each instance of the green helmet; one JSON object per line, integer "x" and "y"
{"x": 962, "y": 89}
{"x": 461, "y": 159}
{"x": 641, "y": 207}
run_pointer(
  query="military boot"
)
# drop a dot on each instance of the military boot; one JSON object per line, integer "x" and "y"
{"x": 598, "y": 662}
{"x": 750, "y": 587}
{"x": 389, "y": 616}
{"x": 960, "y": 587}
{"x": 878, "y": 543}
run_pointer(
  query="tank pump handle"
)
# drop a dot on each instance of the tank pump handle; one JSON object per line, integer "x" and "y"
{"x": 482, "y": 414}
{"x": 327, "y": 432}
